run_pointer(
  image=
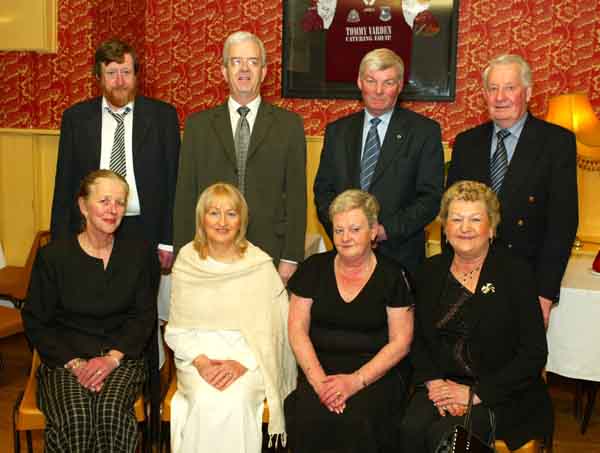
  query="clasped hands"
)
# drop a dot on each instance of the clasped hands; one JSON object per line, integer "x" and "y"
{"x": 92, "y": 373}
{"x": 450, "y": 397}
{"x": 336, "y": 389}
{"x": 219, "y": 373}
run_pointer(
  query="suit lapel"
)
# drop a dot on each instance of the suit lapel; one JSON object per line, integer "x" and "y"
{"x": 94, "y": 130}
{"x": 354, "y": 148}
{"x": 221, "y": 124}
{"x": 262, "y": 124}
{"x": 481, "y": 158}
{"x": 141, "y": 124}
{"x": 523, "y": 161}
{"x": 393, "y": 144}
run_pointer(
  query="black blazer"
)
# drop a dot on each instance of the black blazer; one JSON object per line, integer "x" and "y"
{"x": 538, "y": 197}
{"x": 156, "y": 143}
{"x": 507, "y": 344}
{"x": 407, "y": 182}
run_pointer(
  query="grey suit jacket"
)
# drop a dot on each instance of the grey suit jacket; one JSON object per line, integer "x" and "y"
{"x": 275, "y": 176}
{"x": 407, "y": 182}
{"x": 155, "y": 158}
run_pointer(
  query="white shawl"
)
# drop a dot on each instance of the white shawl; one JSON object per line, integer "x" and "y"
{"x": 247, "y": 296}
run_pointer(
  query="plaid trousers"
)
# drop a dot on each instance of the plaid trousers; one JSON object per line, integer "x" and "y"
{"x": 81, "y": 421}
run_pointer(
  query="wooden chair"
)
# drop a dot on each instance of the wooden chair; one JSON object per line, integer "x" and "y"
{"x": 14, "y": 280}
{"x": 165, "y": 413}
{"x": 533, "y": 446}
{"x": 28, "y": 417}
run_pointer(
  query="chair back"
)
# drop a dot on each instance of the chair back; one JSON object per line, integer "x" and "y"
{"x": 41, "y": 238}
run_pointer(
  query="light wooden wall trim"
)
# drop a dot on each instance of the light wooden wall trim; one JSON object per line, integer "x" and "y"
{"x": 29, "y": 25}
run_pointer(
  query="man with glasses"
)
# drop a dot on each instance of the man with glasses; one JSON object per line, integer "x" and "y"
{"x": 391, "y": 152}
{"x": 256, "y": 146}
{"x": 134, "y": 136}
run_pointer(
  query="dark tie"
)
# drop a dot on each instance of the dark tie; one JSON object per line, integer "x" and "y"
{"x": 499, "y": 164}
{"x": 242, "y": 141}
{"x": 117, "y": 155}
{"x": 370, "y": 155}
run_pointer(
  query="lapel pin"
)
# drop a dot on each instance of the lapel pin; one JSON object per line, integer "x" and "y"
{"x": 398, "y": 136}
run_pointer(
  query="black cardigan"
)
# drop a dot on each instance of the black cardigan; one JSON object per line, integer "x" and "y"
{"x": 76, "y": 308}
{"x": 507, "y": 344}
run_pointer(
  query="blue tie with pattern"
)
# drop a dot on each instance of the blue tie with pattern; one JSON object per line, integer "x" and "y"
{"x": 370, "y": 155}
{"x": 499, "y": 164}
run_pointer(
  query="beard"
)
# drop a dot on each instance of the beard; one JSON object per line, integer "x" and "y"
{"x": 119, "y": 96}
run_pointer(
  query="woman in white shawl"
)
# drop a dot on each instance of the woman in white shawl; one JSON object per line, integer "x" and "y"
{"x": 227, "y": 328}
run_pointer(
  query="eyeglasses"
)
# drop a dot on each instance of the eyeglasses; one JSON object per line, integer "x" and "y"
{"x": 237, "y": 62}
{"x": 112, "y": 73}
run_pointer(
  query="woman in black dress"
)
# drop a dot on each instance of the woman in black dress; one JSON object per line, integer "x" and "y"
{"x": 350, "y": 326}
{"x": 90, "y": 311}
{"x": 479, "y": 328}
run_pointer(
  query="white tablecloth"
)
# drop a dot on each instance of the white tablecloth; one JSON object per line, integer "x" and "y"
{"x": 574, "y": 329}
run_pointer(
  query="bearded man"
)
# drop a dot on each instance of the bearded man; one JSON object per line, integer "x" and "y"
{"x": 134, "y": 136}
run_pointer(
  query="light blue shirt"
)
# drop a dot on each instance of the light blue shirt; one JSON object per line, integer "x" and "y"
{"x": 381, "y": 128}
{"x": 510, "y": 142}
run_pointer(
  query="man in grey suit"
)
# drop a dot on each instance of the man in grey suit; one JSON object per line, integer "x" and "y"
{"x": 256, "y": 146}
{"x": 391, "y": 152}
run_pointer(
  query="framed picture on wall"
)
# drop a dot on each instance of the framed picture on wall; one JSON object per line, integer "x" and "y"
{"x": 324, "y": 41}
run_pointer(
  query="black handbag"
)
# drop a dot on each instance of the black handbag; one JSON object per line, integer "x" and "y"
{"x": 460, "y": 439}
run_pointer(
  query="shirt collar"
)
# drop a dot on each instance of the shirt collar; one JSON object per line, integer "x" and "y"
{"x": 105, "y": 106}
{"x": 385, "y": 118}
{"x": 252, "y": 105}
{"x": 516, "y": 128}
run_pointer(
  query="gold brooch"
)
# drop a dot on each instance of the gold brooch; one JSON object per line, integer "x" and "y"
{"x": 488, "y": 288}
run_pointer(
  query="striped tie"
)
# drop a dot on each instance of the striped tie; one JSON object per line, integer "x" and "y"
{"x": 499, "y": 164}
{"x": 242, "y": 141}
{"x": 370, "y": 155}
{"x": 117, "y": 155}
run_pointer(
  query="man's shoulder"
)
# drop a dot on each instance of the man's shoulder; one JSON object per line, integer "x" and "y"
{"x": 206, "y": 114}
{"x": 280, "y": 112}
{"x": 154, "y": 104}
{"x": 476, "y": 131}
{"x": 546, "y": 127}
{"x": 415, "y": 119}
{"x": 348, "y": 120}
{"x": 83, "y": 107}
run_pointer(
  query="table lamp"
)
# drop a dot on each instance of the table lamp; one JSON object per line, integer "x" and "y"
{"x": 573, "y": 111}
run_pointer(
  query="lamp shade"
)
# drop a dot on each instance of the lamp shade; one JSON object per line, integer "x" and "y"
{"x": 573, "y": 111}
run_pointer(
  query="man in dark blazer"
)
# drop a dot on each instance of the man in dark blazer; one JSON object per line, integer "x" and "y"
{"x": 268, "y": 165}
{"x": 538, "y": 193}
{"x": 151, "y": 142}
{"x": 407, "y": 172}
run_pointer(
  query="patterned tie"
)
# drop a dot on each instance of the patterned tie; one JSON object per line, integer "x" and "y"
{"x": 370, "y": 155}
{"x": 499, "y": 164}
{"x": 117, "y": 155}
{"x": 242, "y": 141}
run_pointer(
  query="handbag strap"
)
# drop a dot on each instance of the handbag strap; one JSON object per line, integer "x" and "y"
{"x": 468, "y": 424}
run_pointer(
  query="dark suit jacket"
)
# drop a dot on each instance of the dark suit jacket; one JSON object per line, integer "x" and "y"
{"x": 407, "y": 182}
{"x": 538, "y": 197}
{"x": 156, "y": 143}
{"x": 507, "y": 344}
{"x": 275, "y": 176}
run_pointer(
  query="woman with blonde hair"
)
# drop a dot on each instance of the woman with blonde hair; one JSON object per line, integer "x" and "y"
{"x": 227, "y": 329}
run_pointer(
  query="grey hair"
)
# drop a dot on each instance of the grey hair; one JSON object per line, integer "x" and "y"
{"x": 243, "y": 36}
{"x": 380, "y": 60}
{"x": 506, "y": 59}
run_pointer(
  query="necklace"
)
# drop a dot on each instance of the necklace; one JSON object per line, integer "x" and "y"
{"x": 466, "y": 277}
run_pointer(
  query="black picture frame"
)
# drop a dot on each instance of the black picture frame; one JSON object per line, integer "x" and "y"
{"x": 432, "y": 57}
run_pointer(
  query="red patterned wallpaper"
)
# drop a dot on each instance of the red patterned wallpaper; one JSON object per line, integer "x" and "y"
{"x": 179, "y": 43}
